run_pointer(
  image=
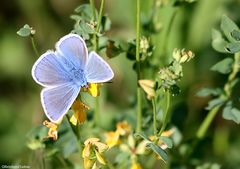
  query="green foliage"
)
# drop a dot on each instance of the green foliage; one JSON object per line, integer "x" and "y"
{"x": 162, "y": 136}
{"x": 209, "y": 92}
{"x": 236, "y": 34}
{"x": 228, "y": 66}
{"x": 224, "y": 66}
{"x": 231, "y": 32}
{"x": 231, "y": 113}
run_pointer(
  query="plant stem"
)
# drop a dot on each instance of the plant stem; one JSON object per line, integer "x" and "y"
{"x": 207, "y": 121}
{"x": 139, "y": 100}
{"x": 75, "y": 130}
{"x": 95, "y": 46}
{"x": 169, "y": 28}
{"x": 228, "y": 91}
{"x": 167, "y": 113}
{"x": 154, "y": 117}
{"x": 100, "y": 16}
{"x": 93, "y": 9}
{"x": 34, "y": 46}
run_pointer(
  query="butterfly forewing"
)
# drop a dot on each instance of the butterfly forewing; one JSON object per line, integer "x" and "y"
{"x": 73, "y": 48}
{"x": 48, "y": 70}
{"x": 97, "y": 70}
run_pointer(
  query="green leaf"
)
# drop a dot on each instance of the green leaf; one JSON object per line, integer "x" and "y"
{"x": 85, "y": 11}
{"x": 215, "y": 102}
{"x": 218, "y": 43}
{"x": 231, "y": 113}
{"x": 158, "y": 150}
{"x": 236, "y": 35}
{"x": 227, "y": 26}
{"x": 24, "y": 31}
{"x": 208, "y": 92}
{"x": 233, "y": 47}
{"x": 224, "y": 66}
{"x": 167, "y": 141}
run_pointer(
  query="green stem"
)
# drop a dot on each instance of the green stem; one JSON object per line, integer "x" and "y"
{"x": 95, "y": 46}
{"x": 228, "y": 91}
{"x": 139, "y": 99}
{"x": 34, "y": 46}
{"x": 154, "y": 117}
{"x": 169, "y": 28}
{"x": 207, "y": 121}
{"x": 166, "y": 114}
{"x": 76, "y": 132}
{"x": 100, "y": 16}
{"x": 97, "y": 111}
{"x": 93, "y": 9}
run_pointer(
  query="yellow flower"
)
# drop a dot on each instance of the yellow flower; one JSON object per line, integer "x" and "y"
{"x": 80, "y": 114}
{"x": 93, "y": 89}
{"x": 92, "y": 152}
{"x": 52, "y": 133}
{"x": 136, "y": 165}
{"x": 112, "y": 138}
{"x": 123, "y": 128}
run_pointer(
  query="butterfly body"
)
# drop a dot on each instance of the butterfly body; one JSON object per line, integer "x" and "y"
{"x": 64, "y": 72}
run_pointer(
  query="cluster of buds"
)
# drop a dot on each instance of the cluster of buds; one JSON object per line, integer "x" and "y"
{"x": 144, "y": 45}
{"x": 168, "y": 76}
{"x": 182, "y": 56}
{"x": 171, "y": 74}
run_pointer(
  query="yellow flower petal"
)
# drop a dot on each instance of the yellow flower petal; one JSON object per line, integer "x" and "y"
{"x": 93, "y": 89}
{"x": 101, "y": 146}
{"x": 86, "y": 151}
{"x": 52, "y": 133}
{"x": 74, "y": 120}
{"x": 91, "y": 140}
{"x": 100, "y": 158}
{"x": 88, "y": 163}
{"x": 80, "y": 114}
{"x": 112, "y": 138}
{"x": 148, "y": 87}
{"x": 123, "y": 128}
{"x": 136, "y": 165}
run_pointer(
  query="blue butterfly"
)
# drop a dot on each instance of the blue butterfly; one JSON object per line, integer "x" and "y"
{"x": 65, "y": 71}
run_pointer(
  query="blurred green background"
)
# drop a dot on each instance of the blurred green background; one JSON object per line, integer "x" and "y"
{"x": 20, "y": 108}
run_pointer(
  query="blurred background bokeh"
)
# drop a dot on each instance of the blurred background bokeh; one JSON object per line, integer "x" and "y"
{"x": 20, "y": 108}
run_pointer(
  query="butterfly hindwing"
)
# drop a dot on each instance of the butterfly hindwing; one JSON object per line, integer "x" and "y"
{"x": 57, "y": 101}
{"x": 97, "y": 70}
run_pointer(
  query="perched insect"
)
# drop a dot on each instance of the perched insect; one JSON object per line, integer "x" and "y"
{"x": 65, "y": 71}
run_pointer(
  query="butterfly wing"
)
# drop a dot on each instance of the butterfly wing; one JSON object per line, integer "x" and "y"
{"x": 49, "y": 71}
{"x": 97, "y": 70}
{"x": 73, "y": 51}
{"x": 57, "y": 101}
